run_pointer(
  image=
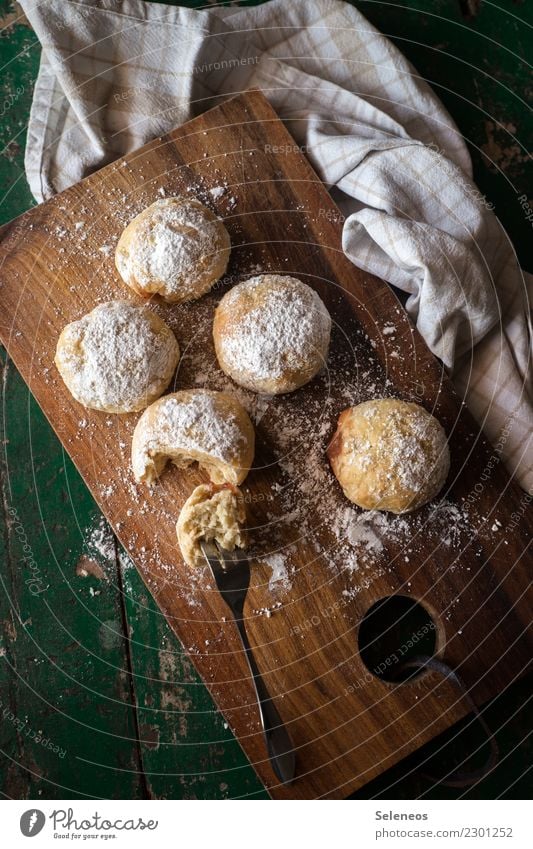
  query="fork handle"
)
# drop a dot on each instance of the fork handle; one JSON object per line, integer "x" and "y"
{"x": 278, "y": 742}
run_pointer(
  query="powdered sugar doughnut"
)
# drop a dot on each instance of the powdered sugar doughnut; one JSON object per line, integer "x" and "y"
{"x": 118, "y": 358}
{"x": 389, "y": 455}
{"x": 195, "y": 425}
{"x": 271, "y": 333}
{"x": 176, "y": 248}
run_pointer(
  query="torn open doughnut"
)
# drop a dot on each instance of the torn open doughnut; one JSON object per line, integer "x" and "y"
{"x": 176, "y": 248}
{"x": 215, "y": 513}
{"x": 195, "y": 425}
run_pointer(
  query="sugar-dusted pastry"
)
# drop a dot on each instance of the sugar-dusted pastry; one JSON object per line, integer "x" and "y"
{"x": 271, "y": 333}
{"x": 118, "y": 358}
{"x": 213, "y": 512}
{"x": 176, "y": 248}
{"x": 389, "y": 455}
{"x": 211, "y": 428}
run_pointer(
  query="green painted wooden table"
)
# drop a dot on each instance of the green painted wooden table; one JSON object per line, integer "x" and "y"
{"x": 97, "y": 698}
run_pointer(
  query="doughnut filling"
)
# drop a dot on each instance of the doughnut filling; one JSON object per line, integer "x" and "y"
{"x": 213, "y": 513}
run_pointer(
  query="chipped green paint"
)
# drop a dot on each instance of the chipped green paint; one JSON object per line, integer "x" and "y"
{"x": 97, "y": 696}
{"x": 187, "y": 748}
{"x": 65, "y": 684}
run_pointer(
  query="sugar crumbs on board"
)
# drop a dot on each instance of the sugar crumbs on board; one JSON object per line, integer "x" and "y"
{"x": 306, "y": 505}
{"x": 99, "y": 539}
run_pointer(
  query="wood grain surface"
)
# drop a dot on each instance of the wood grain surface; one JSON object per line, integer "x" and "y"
{"x": 462, "y": 558}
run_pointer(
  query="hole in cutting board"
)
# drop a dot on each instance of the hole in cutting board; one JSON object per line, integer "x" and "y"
{"x": 395, "y": 629}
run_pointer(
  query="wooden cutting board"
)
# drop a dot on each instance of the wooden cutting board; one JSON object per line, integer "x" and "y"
{"x": 319, "y": 565}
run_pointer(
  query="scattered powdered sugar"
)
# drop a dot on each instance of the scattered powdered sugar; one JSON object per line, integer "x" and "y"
{"x": 217, "y": 192}
{"x": 348, "y": 540}
{"x": 448, "y": 523}
{"x": 288, "y": 328}
{"x": 267, "y": 611}
{"x": 115, "y": 356}
{"x": 357, "y": 529}
{"x": 126, "y": 563}
{"x": 99, "y": 539}
{"x": 280, "y": 577}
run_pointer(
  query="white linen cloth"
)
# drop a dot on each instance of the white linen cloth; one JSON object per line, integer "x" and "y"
{"x": 115, "y": 74}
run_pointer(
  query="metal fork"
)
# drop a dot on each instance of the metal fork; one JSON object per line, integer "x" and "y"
{"x": 231, "y": 572}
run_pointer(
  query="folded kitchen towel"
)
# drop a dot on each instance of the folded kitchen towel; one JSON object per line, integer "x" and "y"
{"x": 115, "y": 74}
